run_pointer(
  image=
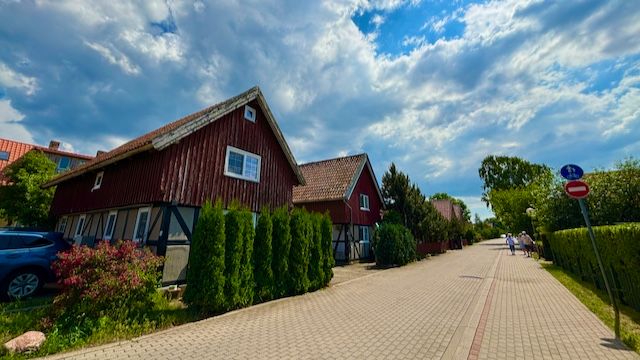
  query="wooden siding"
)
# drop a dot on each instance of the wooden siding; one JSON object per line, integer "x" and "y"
{"x": 337, "y": 210}
{"x": 189, "y": 172}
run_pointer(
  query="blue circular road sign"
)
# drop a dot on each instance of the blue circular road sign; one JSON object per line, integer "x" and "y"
{"x": 571, "y": 172}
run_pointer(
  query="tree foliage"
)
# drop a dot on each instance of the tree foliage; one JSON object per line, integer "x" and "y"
{"x": 328, "y": 261}
{"x": 507, "y": 172}
{"x": 263, "y": 257}
{"x": 234, "y": 230}
{"x": 22, "y": 200}
{"x": 301, "y": 237}
{"x": 205, "y": 274}
{"x": 281, "y": 246}
{"x": 315, "y": 271}
{"x": 394, "y": 245}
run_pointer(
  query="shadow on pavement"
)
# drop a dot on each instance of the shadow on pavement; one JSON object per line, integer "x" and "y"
{"x": 614, "y": 344}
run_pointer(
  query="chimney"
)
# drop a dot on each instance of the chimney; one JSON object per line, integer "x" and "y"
{"x": 100, "y": 152}
{"x": 54, "y": 145}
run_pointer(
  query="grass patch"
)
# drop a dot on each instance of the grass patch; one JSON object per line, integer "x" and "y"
{"x": 19, "y": 317}
{"x": 598, "y": 302}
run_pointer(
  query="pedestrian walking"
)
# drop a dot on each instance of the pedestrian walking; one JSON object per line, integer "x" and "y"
{"x": 529, "y": 243}
{"x": 522, "y": 243}
{"x": 512, "y": 243}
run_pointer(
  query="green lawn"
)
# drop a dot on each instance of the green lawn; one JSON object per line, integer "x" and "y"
{"x": 19, "y": 317}
{"x": 598, "y": 302}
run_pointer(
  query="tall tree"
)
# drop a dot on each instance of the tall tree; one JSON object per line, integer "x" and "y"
{"x": 395, "y": 192}
{"x": 22, "y": 200}
{"x": 507, "y": 172}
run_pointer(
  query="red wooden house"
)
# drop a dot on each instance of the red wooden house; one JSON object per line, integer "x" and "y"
{"x": 151, "y": 189}
{"x": 347, "y": 188}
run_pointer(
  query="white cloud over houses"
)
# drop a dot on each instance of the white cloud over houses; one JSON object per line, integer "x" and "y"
{"x": 550, "y": 82}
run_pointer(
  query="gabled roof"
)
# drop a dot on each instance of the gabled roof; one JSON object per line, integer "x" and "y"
{"x": 444, "y": 207}
{"x": 333, "y": 179}
{"x": 17, "y": 149}
{"x": 171, "y": 133}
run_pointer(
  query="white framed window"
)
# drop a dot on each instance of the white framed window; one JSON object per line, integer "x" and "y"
{"x": 63, "y": 163}
{"x": 142, "y": 225}
{"x": 98, "y": 182}
{"x": 62, "y": 225}
{"x": 110, "y": 225}
{"x": 249, "y": 113}
{"x": 242, "y": 164}
{"x": 364, "y": 202}
{"x": 80, "y": 226}
{"x": 363, "y": 232}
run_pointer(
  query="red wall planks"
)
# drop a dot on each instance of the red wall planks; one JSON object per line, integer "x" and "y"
{"x": 189, "y": 172}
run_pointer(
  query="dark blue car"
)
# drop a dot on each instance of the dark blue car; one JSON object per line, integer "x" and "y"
{"x": 25, "y": 261}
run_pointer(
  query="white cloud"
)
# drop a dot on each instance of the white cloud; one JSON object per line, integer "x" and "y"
{"x": 10, "y": 123}
{"x": 13, "y": 79}
{"x": 115, "y": 57}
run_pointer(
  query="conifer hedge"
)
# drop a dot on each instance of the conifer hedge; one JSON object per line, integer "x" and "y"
{"x": 262, "y": 258}
{"x": 233, "y": 258}
{"x": 246, "y": 267}
{"x": 315, "y": 271}
{"x": 301, "y": 233}
{"x": 205, "y": 273}
{"x": 394, "y": 245}
{"x": 619, "y": 247}
{"x": 328, "y": 261}
{"x": 281, "y": 245}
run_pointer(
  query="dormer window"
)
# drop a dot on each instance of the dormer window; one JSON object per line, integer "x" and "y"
{"x": 98, "y": 182}
{"x": 4, "y": 155}
{"x": 249, "y": 113}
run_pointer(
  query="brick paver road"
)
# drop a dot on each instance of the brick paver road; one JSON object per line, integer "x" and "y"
{"x": 475, "y": 303}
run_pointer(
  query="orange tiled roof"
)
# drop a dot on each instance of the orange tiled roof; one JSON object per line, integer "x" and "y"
{"x": 328, "y": 180}
{"x": 15, "y": 149}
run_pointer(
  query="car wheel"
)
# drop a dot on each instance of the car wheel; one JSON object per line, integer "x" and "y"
{"x": 23, "y": 284}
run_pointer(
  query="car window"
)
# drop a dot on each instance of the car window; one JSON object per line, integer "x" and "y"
{"x": 10, "y": 242}
{"x": 34, "y": 241}
{"x": 5, "y": 242}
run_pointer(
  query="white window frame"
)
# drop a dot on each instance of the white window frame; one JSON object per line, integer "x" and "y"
{"x": 244, "y": 164}
{"x": 106, "y": 236}
{"x": 62, "y": 225}
{"x": 80, "y": 225}
{"x": 146, "y": 227}
{"x": 250, "y": 113}
{"x": 361, "y": 231}
{"x": 98, "y": 181}
{"x": 364, "y": 205}
{"x": 59, "y": 167}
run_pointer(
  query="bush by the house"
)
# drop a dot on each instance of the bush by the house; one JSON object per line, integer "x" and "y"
{"x": 315, "y": 271}
{"x": 301, "y": 233}
{"x": 328, "y": 261}
{"x": 394, "y": 245}
{"x": 117, "y": 282}
{"x": 234, "y": 231}
{"x": 619, "y": 246}
{"x": 281, "y": 245}
{"x": 205, "y": 274}
{"x": 262, "y": 258}
{"x": 246, "y": 267}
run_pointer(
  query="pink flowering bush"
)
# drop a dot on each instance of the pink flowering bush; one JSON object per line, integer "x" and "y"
{"x": 118, "y": 281}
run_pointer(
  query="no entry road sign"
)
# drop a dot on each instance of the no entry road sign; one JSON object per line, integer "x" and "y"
{"x": 571, "y": 172}
{"x": 576, "y": 189}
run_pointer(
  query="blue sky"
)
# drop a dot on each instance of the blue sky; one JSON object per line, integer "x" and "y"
{"x": 434, "y": 86}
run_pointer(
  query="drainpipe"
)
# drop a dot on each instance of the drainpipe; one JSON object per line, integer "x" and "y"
{"x": 348, "y": 255}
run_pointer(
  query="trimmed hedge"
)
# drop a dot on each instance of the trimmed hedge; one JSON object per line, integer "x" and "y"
{"x": 315, "y": 271}
{"x": 262, "y": 258}
{"x": 281, "y": 244}
{"x": 233, "y": 258}
{"x": 247, "y": 282}
{"x": 619, "y": 247}
{"x": 394, "y": 245}
{"x": 328, "y": 261}
{"x": 301, "y": 234}
{"x": 205, "y": 273}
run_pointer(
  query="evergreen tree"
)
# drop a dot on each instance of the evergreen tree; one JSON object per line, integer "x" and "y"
{"x": 326, "y": 233}
{"x": 281, "y": 247}
{"x": 233, "y": 257}
{"x": 262, "y": 258}
{"x": 315, "y": 271}
{"x": 247, "y": 283}
{"x": 299, "y": 253}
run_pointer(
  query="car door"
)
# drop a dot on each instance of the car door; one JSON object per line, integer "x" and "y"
{"x": 12, "y": 252}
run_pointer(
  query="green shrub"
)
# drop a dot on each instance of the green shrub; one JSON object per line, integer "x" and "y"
{"x": 328, "y": 261}
{"x": 262, "y": 258}
{"x": 394, "y": 245}
{"x": 234, "y": 231}
{"x": 205, "y": 275}
{"x": 619, "y": 247}
{"x": 315, "y": 271}
{"x": 246, "y": 267}
{"x": 281, "y": 246}
{"x": 301, "y": 233}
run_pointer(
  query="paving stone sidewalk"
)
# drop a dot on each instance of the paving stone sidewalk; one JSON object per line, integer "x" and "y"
{"x": 436, "y": 308}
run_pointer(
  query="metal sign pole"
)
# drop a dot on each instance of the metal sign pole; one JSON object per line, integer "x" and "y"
{"x": 583, "y": 208}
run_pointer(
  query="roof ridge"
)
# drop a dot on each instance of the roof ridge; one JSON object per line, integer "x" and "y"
{"x": 333, "y": 159}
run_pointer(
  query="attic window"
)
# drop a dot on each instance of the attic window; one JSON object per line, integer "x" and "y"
{"x": 242, "y": 164}
{"x": 98, "y": 182}
{"x": 249, "y": 113}
{"x": 364, "y": 202}
{"x": 4, "y": 155}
